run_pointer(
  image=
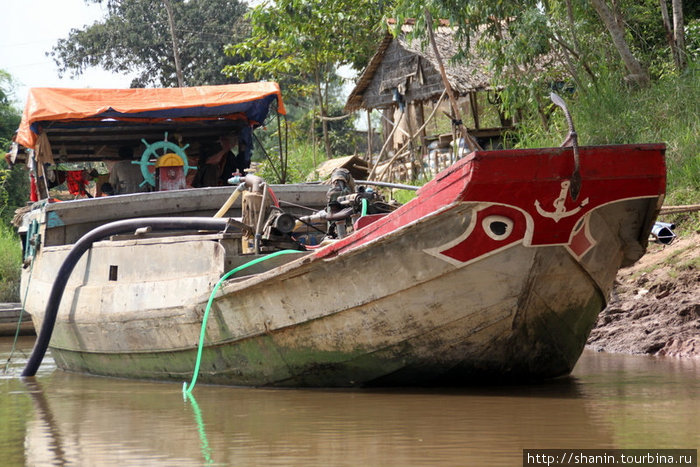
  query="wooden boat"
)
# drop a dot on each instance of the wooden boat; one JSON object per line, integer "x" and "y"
{"x": 493, "y": 272}
{"x": 13, "y": 321}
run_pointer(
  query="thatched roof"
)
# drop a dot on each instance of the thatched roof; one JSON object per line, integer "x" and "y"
{"x": 413, "y": 64}
{"x": 463, "y": 77}
{"x": 356, "y": 165}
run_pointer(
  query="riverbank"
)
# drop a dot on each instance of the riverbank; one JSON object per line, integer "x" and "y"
{"x": 655, "y": 305}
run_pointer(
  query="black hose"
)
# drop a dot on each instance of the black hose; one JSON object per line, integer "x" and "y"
{"x": 84, "y": 244}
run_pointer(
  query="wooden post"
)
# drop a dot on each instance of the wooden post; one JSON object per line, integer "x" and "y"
{"x": 400, "y": 151}
{"x": 411, "y": 145}
{"x": 474, "y": 103}
{"x": 389, "y": 139}
{"x": 369, "y": 136}
{"x": 420, "y": 121}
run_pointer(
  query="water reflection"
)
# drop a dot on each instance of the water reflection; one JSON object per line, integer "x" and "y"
{"x": 108, "y": 422}
{"x": 204, "y": 442}
{"x": 610, "y": 401}
{"x": 48, "y": 446}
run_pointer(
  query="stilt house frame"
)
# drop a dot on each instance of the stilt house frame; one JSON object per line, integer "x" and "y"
{"x": 402, "y": 80}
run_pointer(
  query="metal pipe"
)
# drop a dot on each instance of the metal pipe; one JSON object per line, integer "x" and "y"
{"x": 662, "y": 233}
{"x": 84, "y": 244}
{"x": 251, "y": 181}
{"x": 261, "y": 215}
{"x": 399, "y": 186}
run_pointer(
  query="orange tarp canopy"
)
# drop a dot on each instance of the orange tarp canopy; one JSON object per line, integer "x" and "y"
{"x": 146, "y": 104}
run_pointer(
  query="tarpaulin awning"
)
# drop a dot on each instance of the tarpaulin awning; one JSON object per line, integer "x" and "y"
{"x": 249, "y": 100}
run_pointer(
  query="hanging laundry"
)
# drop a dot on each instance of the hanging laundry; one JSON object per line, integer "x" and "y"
{"x": 44, "y": 154}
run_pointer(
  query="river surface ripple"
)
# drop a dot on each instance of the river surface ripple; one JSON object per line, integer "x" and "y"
{"x": 610, "y": 401}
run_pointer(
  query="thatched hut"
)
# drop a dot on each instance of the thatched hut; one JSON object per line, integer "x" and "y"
{"x": 403, "y": 78}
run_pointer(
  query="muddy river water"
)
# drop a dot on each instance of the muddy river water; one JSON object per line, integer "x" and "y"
{"x": 610, "y": 401}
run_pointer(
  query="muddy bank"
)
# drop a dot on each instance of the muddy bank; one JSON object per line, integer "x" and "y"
{"x": 655, "y": 305}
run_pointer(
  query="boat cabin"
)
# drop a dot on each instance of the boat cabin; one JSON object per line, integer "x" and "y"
{"x": 75, "y": 136}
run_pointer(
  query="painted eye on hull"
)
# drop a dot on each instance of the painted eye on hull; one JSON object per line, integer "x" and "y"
{"x": 497, "y": 227}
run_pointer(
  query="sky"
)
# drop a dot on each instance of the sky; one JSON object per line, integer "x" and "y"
{"x": 30, "y": 28}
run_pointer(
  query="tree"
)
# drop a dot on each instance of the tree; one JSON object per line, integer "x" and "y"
{"x": 9, "y": 115}
{"x": 13, "y": 182}
{"x": 613, "y": 23}
{"x": 301, "y": 41}
{"x": 137, "y": 37}
{"x": 526, "y": 44}
{"x": 675, "y": 35}
{"x": 529, "y": 44}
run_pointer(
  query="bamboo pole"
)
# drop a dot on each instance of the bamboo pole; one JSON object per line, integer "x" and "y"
{"x": 471, "y": 143}
{"x": 386, "y": 143}
{"x": 432, "y": 114}
{"x": 678, "y": 209}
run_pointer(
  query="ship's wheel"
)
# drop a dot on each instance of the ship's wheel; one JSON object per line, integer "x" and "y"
{"x": 156, "y": 150}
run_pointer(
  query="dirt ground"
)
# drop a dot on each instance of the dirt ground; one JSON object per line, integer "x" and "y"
{"x": 655, "y": 305}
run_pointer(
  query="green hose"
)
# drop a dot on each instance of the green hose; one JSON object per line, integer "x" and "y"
{"x": 185, "y": 389}
{"x": 364, "y": 207}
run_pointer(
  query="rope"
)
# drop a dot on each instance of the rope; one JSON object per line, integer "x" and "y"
{"x": 19, "y": 322}
{"x": 332, "y": 119}
{"x": 185, "y": 389}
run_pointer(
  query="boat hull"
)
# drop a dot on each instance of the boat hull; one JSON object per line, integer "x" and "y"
{"x": 459, "y": 287}
{"x": 503, "y": 317}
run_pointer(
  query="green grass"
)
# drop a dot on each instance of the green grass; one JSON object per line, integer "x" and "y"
{"x": 609, "y": 112}
{"x": 300, "y": 163}
{"x": 10, "y": 264}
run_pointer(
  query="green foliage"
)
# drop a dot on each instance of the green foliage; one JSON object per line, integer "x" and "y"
{"x": 14, "y": 190}
{"x": 667, "y": 111}
{"x": 343, "y": 137}
{"x": 13, "y": 183}
{"x": 301, "y": 163}
{"x": 9, "y": 115}
{"x": 301, "y": 44}
{"x": 135, "y": 38}
{"x": 302, "y": 41}
{"x": 528, "y": 44}
{"x": 12, "y": 195}
{"x": 10, "y": 264}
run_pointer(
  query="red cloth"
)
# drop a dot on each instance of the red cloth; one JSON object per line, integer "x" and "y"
{"x": 33, "y": 192}
{"x": 76, "y": 182}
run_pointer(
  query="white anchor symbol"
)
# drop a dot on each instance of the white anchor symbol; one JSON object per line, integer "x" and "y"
{"x": 559, "y": 209}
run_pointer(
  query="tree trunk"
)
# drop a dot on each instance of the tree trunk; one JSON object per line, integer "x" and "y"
{"x": 322, "y": 108}
{"x": 679, "y": 32}
{"x": 637, "y": 73}
{"x": 669, "y": 33}
{"x": 578, "y": 55}
{"x": 176, "y": 52}
{"x": 324, "y": 111}
{"x": 572, "y": 25}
